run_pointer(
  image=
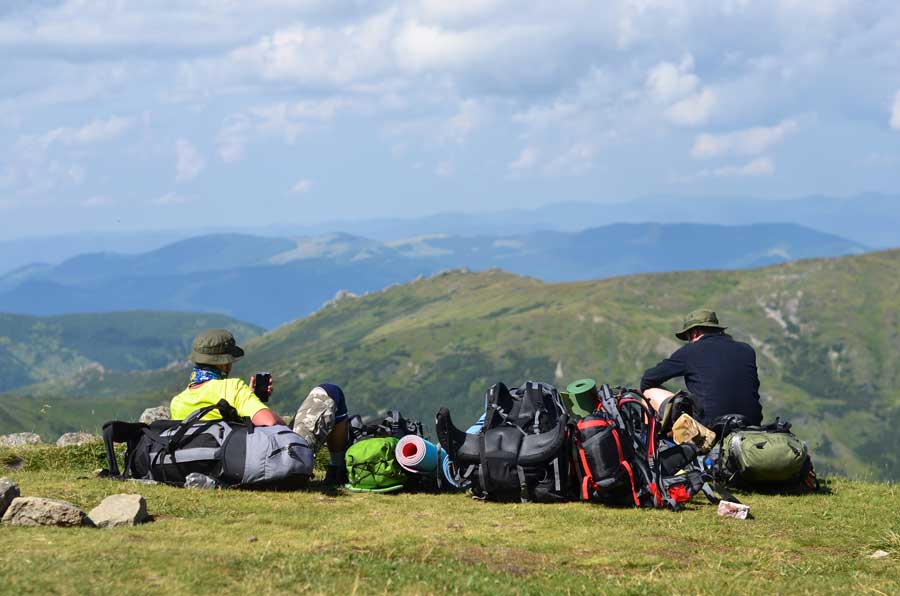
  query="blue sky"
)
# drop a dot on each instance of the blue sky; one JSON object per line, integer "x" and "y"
{"x": 126, "y": 115}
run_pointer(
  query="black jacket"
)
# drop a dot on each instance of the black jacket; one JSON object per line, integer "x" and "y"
{"x": 719, "y": 371}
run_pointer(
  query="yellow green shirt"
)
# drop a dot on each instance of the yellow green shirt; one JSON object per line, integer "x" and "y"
{"x": 235, "y": 391}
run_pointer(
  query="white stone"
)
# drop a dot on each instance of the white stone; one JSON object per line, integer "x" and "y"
{"x": 154, "y": 414}
{"x": 76, "y": 439}
{"x": 119, "y": 510}
{"x": 37, "y": 511}
{"x": 19, "y": 439}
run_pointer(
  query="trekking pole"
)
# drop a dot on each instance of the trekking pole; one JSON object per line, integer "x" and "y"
{"x": 610, "y": 406}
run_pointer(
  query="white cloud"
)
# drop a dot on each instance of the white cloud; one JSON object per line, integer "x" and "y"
{"x": 232, "y": 138}
{"x": 751, "y": 141}
{"x": 526, "y": 160}
{"x": 895, "y": 112}
{"x": 301, "y": 187}
{"x": 693, "y": 110}
{"x": 761, "y": 166}
{"x": 575, "y": 160}
{"x": 94, "y": 131}
{"x": 466, "y": 120}
{"x": 668, "y": 82}
{"x": 289, "y": 120}
{"x": 188, "y": 161}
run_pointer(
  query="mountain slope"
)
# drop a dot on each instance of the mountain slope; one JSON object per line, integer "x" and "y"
{"x": 827, "y": 334}
{"x": 36, "y": 349}
{"x": 270, "y": 281}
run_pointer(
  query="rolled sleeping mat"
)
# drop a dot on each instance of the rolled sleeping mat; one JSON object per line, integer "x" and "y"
{"x": 581, "y": 397}
{"x": 416, "y": 455}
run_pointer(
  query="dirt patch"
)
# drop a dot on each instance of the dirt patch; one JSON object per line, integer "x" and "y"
{"x": 13, "y": 463}
{"x": 514, "y": 561}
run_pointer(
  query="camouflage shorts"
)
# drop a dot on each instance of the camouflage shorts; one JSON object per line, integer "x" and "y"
{"x": 315, "y": 418}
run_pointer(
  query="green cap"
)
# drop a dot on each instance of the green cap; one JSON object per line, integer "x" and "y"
{"x": 215, "y": 346}
{"x": 699, "y": 318}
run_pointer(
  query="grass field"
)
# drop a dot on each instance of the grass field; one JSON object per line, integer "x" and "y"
{"x": 315, "y": 542}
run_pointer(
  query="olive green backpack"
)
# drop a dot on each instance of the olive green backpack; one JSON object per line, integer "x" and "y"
{"x": 372, "y": 466}
{"x": 769, "y": 456}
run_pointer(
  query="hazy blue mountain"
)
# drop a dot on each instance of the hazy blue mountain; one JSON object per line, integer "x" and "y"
{"x": 868, "y": 219}
{"x": 272, "y": 280}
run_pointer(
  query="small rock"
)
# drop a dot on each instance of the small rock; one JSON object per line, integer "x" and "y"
{"x": 8, "y": 492}
{"x": 76, "y": 439}
{"x": 154, "y": 414}
{"x": 252, "y": 539}
{"x": 36, "y": 511}
{"x": 735, "y": 510}
{"x": 879, "y": 554}
{"x": 19, "y": 439}
{"x": 120, "y": 510}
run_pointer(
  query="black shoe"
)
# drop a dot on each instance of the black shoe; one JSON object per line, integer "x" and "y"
{"x": 335, "y": 476}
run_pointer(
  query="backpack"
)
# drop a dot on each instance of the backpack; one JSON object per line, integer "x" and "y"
{"x": 391, "y": 424}
{"x": 620, "y": 459}
{"x": 372, "y": 466}
{"x": 521, "y": 452}
{"x": 768, "y": 456}
{"x": 233, "y": 451}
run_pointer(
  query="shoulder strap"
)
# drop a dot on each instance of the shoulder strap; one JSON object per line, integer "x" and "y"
{"x": 228, "y": 413}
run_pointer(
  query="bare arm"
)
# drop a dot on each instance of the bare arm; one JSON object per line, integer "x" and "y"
{"x": 266, "y": 417}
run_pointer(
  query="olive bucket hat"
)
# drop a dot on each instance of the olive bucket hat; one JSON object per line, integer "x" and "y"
{"x": 699, "y": 318}
{"x": 215, "y": 346}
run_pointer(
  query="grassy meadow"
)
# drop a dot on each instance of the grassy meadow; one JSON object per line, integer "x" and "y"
{"x": 314, "y": 541}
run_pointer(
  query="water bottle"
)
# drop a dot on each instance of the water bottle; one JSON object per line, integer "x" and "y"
{"x": 198, "y": 480}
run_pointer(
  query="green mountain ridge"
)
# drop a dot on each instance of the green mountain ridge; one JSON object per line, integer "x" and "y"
{"x": 826, "y": 331}
{"x": 37, "y": 349}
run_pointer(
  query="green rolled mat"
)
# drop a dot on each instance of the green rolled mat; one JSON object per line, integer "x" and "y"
{"x": 581, "y": 397}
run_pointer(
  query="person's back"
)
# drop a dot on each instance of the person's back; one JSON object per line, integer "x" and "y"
{"x": 719, "y": 371}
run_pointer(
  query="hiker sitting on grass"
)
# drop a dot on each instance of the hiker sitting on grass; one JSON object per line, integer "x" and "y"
{"x": 321, "y": 418}
{"x": 719, "y": 371}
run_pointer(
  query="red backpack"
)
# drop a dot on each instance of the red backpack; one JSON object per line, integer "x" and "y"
{"x": 621, "y": 461}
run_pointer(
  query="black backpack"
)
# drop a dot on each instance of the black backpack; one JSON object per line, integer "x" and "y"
{"x": 521, "y": 453}
{"x": 391, "y": 424}
{"x": 620, "y": 459}
{"x": 233, "y": 451}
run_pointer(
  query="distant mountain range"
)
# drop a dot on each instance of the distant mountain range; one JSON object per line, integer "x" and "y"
{"x": 37, "y": 349}
{"x": 826, "y": 332}
{"x": 269, "y": 281}
{"x": 867, "y": 219}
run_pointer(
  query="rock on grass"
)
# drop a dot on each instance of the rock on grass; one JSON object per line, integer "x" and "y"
{"x": 37, "y": 511}
{"x": 76, "y": 439}
{"x": 120, "y": 510}
{"x": 8, "y": 492}
{"x": 154, "y": 414}
{"x": 19, "y": 439}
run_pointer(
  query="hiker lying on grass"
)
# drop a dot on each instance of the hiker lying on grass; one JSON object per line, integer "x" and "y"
{"x": 321, "y": 418}
{"x": 717, "y": 370}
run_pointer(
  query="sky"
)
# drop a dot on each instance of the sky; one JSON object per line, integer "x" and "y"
{"x": 167, "y": 115}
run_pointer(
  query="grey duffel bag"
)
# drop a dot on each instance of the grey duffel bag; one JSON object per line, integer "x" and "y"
{"x": 232, "y": 451}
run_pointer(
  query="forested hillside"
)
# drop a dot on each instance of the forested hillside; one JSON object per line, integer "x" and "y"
{"x": 827, "y": 333}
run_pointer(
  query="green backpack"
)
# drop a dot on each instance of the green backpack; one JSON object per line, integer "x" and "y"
{"x": 372, "y": 466}
{"x": 768, "y": 456}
